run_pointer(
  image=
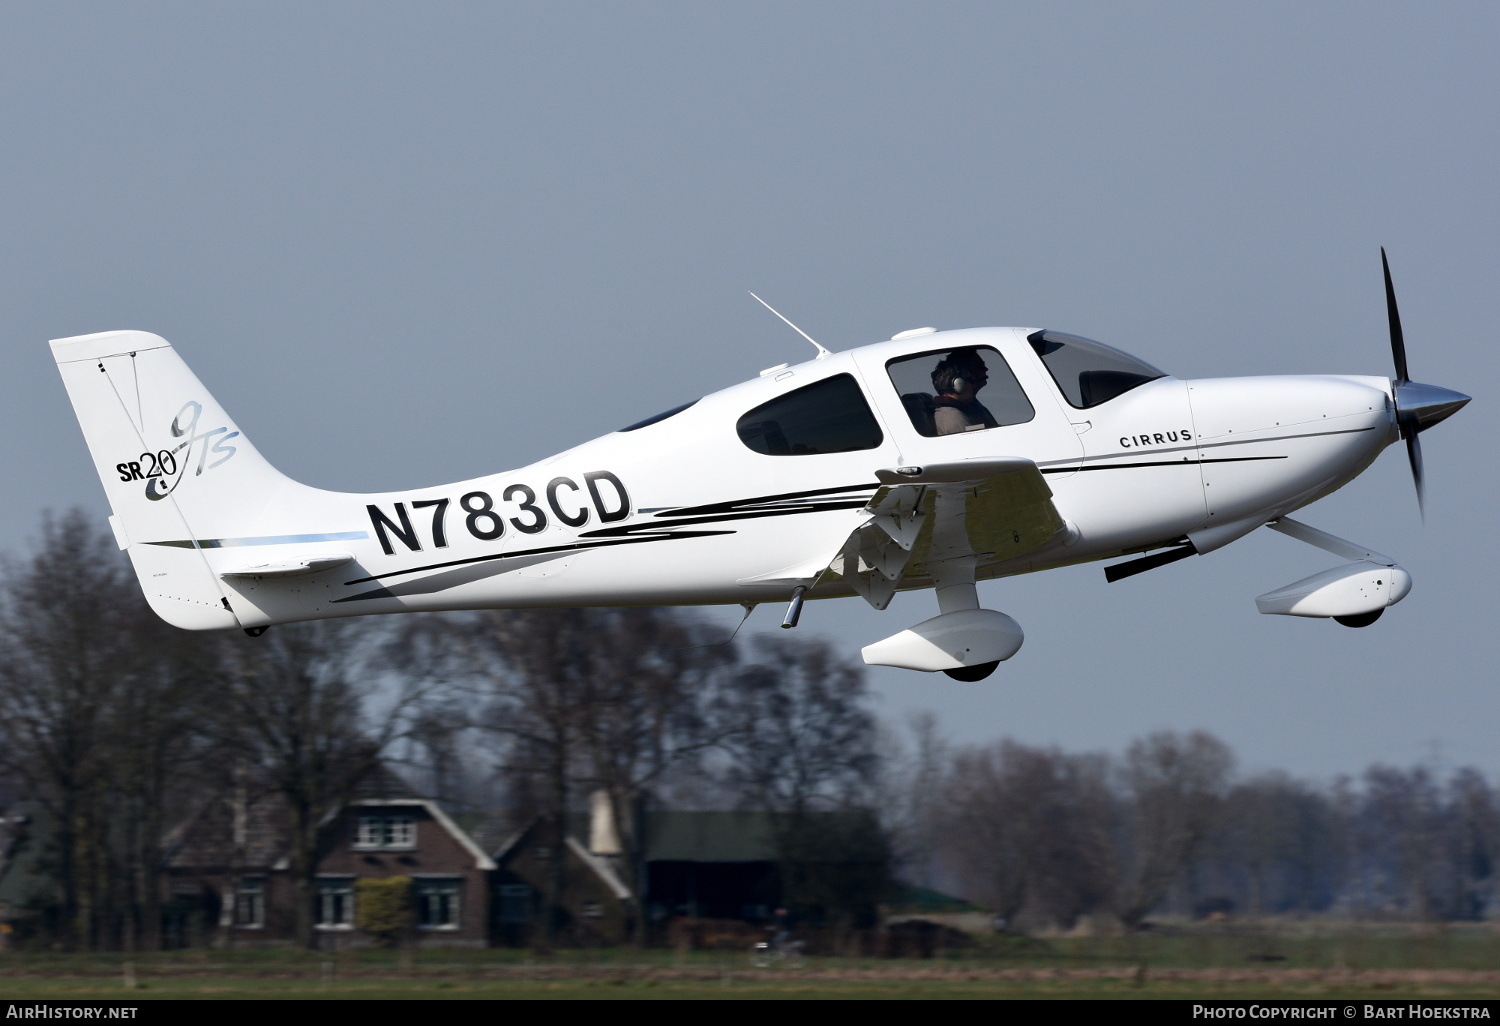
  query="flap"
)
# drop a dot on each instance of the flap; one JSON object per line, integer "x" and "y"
{"x": 994, "y": 509}
{"x": 1004, "y": 515}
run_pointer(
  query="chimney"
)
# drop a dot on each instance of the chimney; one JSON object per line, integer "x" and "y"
{"x": 603, "y": 838}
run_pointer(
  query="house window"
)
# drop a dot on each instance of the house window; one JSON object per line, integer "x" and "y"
{"x": 593, "y": 910}
{"x": 515, "y": 903}
{"x": 398, "y": 832}
{"x": 335, "y": 910}
{"x": 437, "y": 902}
{"x": 250, "y": 903}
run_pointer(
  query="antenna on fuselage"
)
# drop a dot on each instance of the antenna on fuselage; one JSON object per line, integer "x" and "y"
{"x": 816, "y": 345}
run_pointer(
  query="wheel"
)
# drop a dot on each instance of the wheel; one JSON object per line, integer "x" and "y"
{"x": 1361, "y": 620}
{"x": 983, "y": 670}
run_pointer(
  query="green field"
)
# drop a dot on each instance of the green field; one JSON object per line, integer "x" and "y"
{"x": 1289, "y": 960}
{"x": 735, "y": 989}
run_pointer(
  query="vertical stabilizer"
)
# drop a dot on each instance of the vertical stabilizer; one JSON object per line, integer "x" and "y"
{"x": 176, "y": 469}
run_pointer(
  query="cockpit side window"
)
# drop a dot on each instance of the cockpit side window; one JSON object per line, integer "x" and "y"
{"x": 827, "y": 416}
{"x": 954, "y": 391}
{"x": 1088, "y": 372}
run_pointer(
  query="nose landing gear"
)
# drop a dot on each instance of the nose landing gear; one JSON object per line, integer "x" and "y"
{"x": 1359, "y": 619}
{"x": 973, "y": 673}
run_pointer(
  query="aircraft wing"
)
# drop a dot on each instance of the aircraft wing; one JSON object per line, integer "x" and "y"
{"x": 995, "y": 510}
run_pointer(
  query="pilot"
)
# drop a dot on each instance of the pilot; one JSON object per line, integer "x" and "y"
{"x": 957, "y": 381}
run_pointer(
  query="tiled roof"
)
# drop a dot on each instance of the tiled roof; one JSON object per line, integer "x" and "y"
{"x": 250, "y": 831}
{"x": 383, "y": 782}
{"x": 246, "y": 833}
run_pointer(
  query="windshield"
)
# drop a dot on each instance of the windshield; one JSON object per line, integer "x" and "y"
{"x": 1089, "y": 372}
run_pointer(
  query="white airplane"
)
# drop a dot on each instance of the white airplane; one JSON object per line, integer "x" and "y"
{"x": 934, "y": 460}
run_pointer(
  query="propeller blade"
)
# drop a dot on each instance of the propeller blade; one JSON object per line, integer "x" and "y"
{"x": 1414, "y": 455}
{"x": 1398, "y": 340}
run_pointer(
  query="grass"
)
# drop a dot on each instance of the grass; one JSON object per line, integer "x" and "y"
{"x": 1203, "y": 961}
{"x": 732, "y": 988}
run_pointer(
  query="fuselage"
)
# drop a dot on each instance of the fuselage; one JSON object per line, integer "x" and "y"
{"x": 718, "y": 503}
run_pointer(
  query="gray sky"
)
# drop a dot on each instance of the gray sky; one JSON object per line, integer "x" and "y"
{"x": 411, "y": 243}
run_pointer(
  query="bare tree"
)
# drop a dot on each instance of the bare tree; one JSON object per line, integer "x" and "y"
{"x": 1284, "y": 836}
{"x": 642, "y": 717}
{"x": 1031, "y": 829}
{"x": 99, "y": 710}
{"x": 1475, "y": 829}
{"x": 1402, "y": 840}
{"x": 795, "y": 728}
{"x": 159, "y": 740}
{"x": 435, "y": 748}
{"x": 1176, "y": 786}
{"x": 525, "y": 666}
{"x": 302, "y": 710}
{"x": 911, "y": 777}
{"x": 581, "y": 701}
{"x": 991, "y": 856}
{"x": 799, "y": 740}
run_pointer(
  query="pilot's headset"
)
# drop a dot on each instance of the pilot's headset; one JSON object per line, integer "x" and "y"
{"x": 958, "y": 378}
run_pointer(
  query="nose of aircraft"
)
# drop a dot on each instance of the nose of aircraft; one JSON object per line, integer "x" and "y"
{"x": 1420, "y": 406}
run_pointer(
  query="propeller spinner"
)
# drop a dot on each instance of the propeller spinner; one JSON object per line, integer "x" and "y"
{"x": 1418, "y": 406}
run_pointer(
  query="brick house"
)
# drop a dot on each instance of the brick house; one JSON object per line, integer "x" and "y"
{"x": 411, "y": 837}
{"x": 226, "y": 873}
{"x": 227, "y": 870}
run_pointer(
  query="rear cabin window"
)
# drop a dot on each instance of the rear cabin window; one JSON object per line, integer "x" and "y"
{"x": 825, "y": 417}
{"x": 658, "y": 418}
{"x": 931, "y": 387}
{"x": 1088, "y": 372}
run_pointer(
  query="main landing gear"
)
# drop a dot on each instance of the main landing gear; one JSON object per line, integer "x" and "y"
{"x": 963, "y": 640}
